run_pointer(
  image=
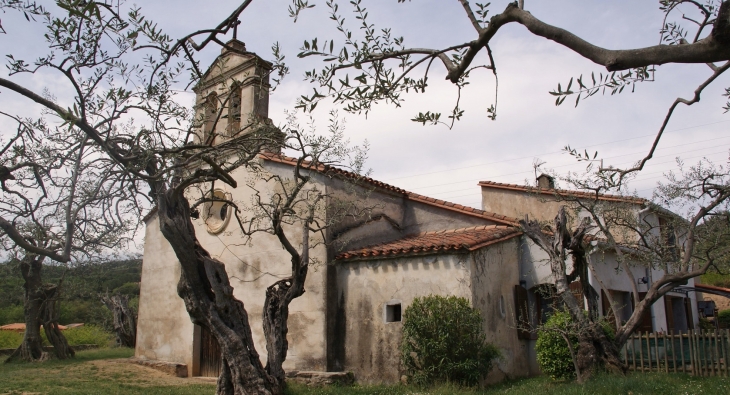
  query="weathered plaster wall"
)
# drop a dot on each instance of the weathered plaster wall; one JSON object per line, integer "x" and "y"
{"x": 495, "y": 272}
{"x": 516, "y": 204}
{"x": 164, "y": 330}
{"x": 254, "y": 265}
{"x": 391, "y": 216}
{"x": 369, "y": 347}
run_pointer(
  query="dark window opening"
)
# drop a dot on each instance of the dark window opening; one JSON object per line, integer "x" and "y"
{"x": 393, "y": 313}
{"x": 224, "y": 212}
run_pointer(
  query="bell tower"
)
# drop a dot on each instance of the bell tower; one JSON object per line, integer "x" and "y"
{"x": 232, "y": 98}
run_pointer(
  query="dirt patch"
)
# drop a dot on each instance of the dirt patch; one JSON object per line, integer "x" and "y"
{"x": 135, "y": 374}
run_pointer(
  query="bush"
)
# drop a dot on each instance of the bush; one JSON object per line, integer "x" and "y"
{"x": 10, "y": 339}
{"x": 85, "y": 311}
{"x": 89, "y": 334}
{"x": 11, "y": 315}
{"x": 443, "y": 340}
{"x": 723, "y": 318}
{"x": 553, "y": 354}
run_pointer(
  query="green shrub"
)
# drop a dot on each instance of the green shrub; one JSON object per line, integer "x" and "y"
{"x": 723, "y": 318}
{"x": 11, "y": 315}
{"x": 88, "y": 334}
{"x": 86, "y": 311}
{"x": 716, "y": 279}
{"x": 443, "y": 340}
{"x": 553, "y": 354}
{"x": 706, "y": 324}
{"x": 10, "y": 339}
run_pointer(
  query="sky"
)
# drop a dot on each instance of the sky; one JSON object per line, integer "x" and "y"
{"x": 447, "y": 164}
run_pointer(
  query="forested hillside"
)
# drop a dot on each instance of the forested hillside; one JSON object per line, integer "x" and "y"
{"x": 82, "y": 285}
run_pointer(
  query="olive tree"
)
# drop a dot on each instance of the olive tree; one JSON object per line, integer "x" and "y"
{"x": 61, "y": 202}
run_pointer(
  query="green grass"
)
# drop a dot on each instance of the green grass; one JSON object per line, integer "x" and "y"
{"x": 104, "y": 372}
{"x": 646, "y": 384}
{"x": 93, "y": 372}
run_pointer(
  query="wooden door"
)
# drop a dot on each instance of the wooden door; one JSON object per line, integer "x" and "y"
{"x": 210, "y": 354}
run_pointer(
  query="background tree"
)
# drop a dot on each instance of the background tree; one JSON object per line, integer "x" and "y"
{"x": 61, "y": 202}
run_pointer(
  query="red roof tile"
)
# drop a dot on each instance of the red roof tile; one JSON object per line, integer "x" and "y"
{"x": 409, "y": 195}
{"x": 563, "y": 192}
{"x": 455, "y": 240}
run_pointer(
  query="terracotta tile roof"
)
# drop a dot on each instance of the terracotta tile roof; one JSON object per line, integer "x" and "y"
{"x": 712, "y": 287}
{"x": 501, "y": 219}
{"x": 564, "y": 192}
{"x": 455, "y": 240}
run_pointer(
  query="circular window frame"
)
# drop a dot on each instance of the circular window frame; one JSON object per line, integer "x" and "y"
{"x": 212, "y": 209}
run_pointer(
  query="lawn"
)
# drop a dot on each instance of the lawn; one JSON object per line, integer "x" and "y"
{"x": 101, "y": 372}
{"x": 105, "y": 372}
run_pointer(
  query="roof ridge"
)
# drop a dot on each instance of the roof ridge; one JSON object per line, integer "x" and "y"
{"x": 550, "y": 191}
{"x": 410, "y": 195}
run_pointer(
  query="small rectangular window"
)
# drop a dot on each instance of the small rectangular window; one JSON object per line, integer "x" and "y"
{"x": 393, "y": 313}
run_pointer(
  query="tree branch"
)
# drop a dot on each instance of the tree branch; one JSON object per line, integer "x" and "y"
{"x": 711, "y": 49}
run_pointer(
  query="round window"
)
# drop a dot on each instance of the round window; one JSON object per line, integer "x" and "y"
{"x": 217, "y": 211}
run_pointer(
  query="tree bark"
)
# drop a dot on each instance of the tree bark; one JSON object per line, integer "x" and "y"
{"x": 593, "y": 346}
{"x": 125, "y": 323}
{"x": 31, "y": 348}
{"x": 50, "y": 310}
{"x": 276, "y": 310}
{"x": 205, "y": 288}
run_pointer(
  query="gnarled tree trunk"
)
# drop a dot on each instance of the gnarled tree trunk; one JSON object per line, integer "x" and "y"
{"x": 204, "y": 287}
{"x": 125, "y": 323}
{"x": 594, "y": 347}
{"x": 31, "y": 348}
{"x": 50, "y": 311}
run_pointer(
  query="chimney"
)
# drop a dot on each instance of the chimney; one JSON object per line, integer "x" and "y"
{"x": 545, "y": 182}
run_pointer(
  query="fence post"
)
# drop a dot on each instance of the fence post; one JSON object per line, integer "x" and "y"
{"x": 648, "y": 349}
{"x": 681, "y": 350}
{"x": 715, "y": 355}
{"x": 691, "y": 353}
{"x": 726, "y": 349}
{"x": 656, "y": 352}
{"x": 701, "y": 366}
{"x": 666, "y": 353}
{"x": 641, "y": 351}
{"x": 674, "y": 352}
